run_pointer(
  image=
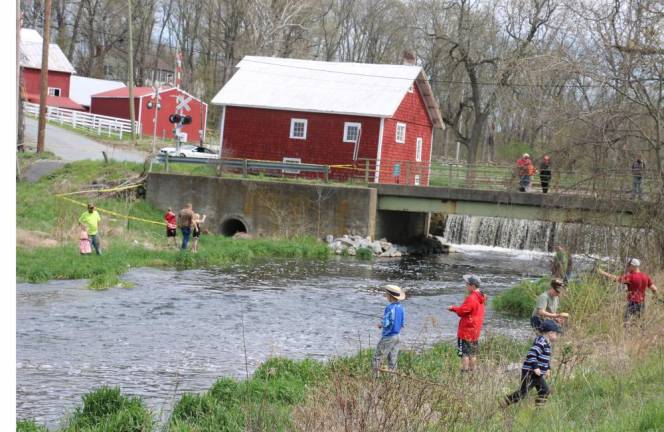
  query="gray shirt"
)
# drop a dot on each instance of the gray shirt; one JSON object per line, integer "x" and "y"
{"x": 546, "y": 302}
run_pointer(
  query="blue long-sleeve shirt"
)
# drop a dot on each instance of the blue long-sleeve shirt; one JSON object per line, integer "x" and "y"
{"x": 393, "y": 319}
{"x": 539, "y": 355}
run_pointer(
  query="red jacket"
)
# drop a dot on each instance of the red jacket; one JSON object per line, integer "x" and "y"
{"x": 472, "y": 316}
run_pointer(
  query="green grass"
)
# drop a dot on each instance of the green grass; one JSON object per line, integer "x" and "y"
{"x": 37, "y": 209}
{"x": 519, "y": 301}
{"x": 594, "y": 399}
{"x": 107, "y": 409}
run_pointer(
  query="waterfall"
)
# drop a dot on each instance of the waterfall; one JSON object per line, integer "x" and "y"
{"x": 543, "y": 235}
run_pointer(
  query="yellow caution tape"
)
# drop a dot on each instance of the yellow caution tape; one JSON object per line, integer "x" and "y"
{"x": 64, "y": 197}
{"x": 100, "y": 190}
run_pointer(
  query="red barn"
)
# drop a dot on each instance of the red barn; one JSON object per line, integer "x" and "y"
{"x": 331, "y": 113}
{"x": 59, "y": 72}
{"x": 115, "y": 103}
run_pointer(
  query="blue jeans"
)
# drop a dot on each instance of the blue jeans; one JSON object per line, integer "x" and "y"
{"x": 186, "y": 232}
{"x": 524, "y": 182}
{"x": 637, "y": 186}
{"x": 95, "y": 242}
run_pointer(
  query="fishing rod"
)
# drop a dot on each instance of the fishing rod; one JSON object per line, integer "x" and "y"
{"x": 356, "y": 313}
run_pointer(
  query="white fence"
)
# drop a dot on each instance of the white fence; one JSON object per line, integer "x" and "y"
{"x": 82, "y": 120}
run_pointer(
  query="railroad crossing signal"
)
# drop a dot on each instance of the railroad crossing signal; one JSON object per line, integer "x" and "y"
{"x": 179, "y": 119}
{"x": 183, "y": 103}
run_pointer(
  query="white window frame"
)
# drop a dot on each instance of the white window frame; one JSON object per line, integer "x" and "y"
{"x": 51, "y": 91}
{"x": 396, "y": 137}
{"x": 417, "y": 180}
{"x": 418, "y": 149}
{"x": 293, "y": 161}
{"x": 292, "y": 128}
{"x": 349, "y": 125}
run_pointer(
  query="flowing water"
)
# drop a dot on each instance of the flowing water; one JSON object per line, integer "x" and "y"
{"x": 543, "y": 235}
{"x": 178, "y": 331}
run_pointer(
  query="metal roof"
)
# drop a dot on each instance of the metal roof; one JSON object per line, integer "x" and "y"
{"x": 123, "y": 92}
{"x": 82, "y": 88}
{"x": 374, "y": 90}
{"x": 31, "y": 53}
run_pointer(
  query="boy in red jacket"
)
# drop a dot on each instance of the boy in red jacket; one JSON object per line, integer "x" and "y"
{"x": 470, "y": 325}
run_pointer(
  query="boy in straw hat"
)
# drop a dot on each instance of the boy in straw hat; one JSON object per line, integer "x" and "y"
{"x": 393, "y": 321}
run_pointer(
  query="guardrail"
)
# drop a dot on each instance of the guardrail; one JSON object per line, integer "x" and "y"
{"x": 607, "y": 183}
{"x": 82, "y": 120}
{"x": 247, "y": 165}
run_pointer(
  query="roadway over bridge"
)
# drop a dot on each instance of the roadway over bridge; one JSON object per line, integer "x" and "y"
{"x": 395, "y": 212}
{"x": 509, "y": 204}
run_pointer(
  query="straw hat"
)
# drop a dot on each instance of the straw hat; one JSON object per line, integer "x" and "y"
{"x": 395, "y": 292}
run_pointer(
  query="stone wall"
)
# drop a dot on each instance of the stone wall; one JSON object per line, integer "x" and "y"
{"x": 268, "y": 208}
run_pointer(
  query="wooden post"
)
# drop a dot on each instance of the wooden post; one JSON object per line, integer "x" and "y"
{"x": 326, "y": 173}
{"x": 245, "y": 170}
{"x": 43, "y": 89}
{"x": 366, "y": 171}
{"x": 131, "y": 77}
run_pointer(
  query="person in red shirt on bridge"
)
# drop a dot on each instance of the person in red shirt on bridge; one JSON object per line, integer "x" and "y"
{"x": 470, "y": 325}
{"x": 637, "y": 282}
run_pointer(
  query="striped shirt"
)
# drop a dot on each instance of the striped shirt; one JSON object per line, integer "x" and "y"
{"x": 539, "y": 355}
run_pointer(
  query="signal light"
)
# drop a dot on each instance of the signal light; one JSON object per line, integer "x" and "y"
{"x": 174, "y": 118}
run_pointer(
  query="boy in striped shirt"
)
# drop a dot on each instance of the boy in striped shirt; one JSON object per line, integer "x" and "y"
{"x": 537, "y": 365}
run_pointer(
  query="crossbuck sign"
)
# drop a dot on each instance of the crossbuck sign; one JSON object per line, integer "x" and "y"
{"x": 183, "y": 103}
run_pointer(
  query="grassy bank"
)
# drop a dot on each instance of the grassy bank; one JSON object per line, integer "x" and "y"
{"x": 47, "y": 232}
{"x": 606, "y": 377}
{"x": 519, "y": 300}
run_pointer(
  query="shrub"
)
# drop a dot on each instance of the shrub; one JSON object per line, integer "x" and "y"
{"x": 365, "y": 254}
{"x": 519, "y": 301}
{"x": 29, "y": 426}
{"x": 107, "y": 409}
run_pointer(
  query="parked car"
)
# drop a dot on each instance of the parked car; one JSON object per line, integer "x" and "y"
{"x": 190, "y": 151}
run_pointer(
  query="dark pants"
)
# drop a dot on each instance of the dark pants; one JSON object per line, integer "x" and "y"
{"x": 634, "y": 310}
{"x": 524, "y": 182}
{"x": 95, "y": 241}
{"x": 544, "y": 180}
{"x": 186, "y": 232}
{"x": 529, "y": 380}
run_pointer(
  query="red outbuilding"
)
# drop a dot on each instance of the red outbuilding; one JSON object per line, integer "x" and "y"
{"x": 340, "y": 114}
{"x": 59, "y": 72}
{"x": 115, "y": 103}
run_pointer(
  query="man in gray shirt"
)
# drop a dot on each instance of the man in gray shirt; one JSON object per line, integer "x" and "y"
{"x": 547, "y": 304}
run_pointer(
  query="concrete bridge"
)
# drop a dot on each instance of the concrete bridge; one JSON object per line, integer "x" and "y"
{"x": 391, "y": 211}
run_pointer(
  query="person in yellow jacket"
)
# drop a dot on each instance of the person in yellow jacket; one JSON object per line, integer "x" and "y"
{"x": 90, "y": 220}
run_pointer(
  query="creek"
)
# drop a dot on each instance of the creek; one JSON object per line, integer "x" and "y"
{"x": 178, "y": 331}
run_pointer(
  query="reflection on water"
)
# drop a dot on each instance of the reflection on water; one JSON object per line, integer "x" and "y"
{"x": 179, "y": 331}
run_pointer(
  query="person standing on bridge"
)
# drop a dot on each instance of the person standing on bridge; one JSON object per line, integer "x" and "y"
{"x": 545, "y": 173}
{"x": 470, "y": 325}
{"x": 638, "y": 173}
{"x": 524, "y": 169}
{"x": 637, "y": 282}
{"x": 185, "y": 221}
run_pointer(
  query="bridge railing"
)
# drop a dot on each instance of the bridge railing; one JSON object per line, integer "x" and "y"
{"x": 606, "y": 183}
{"x": 250, "y": 166}
{"x": 499, "y": 177}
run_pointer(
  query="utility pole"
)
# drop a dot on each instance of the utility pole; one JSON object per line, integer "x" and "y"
{"x": 43, "y": 89}
{"x": 19, "y": 82}
{"x": 131, "y": 76}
